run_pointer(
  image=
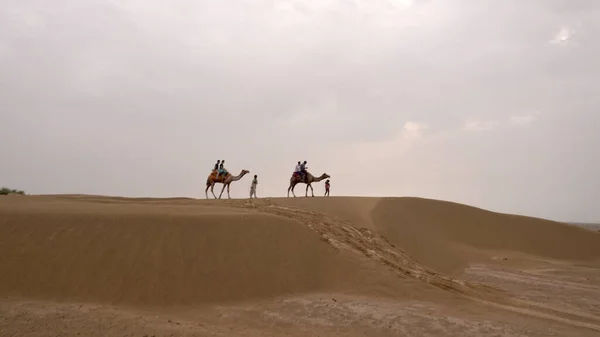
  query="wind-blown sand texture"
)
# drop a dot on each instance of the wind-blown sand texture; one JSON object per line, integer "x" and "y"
{"x": 107, "y": 266}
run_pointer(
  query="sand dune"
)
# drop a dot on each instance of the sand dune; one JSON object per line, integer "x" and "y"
{"x": 448, "y": 236}
{"x": 167, "y": 253}
{"x": 157, "y": 254}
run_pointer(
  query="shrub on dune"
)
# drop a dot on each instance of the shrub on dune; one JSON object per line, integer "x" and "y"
{"x": 7, "y": 191}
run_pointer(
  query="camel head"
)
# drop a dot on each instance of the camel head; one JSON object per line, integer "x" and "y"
{"x": 244, "y": 172}
{"x": 325, "y": 176}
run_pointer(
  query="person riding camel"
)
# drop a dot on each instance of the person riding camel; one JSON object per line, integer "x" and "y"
{"x": 221, "y": 169}
{"x": 217, "y": 165}
{"x": 303, "y": 171}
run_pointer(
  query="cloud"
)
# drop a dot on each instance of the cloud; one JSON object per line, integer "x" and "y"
{"x": 474, "y": 125}
{"x": 523, "y": 120}
{"x": 322, "y": 112}
{"x": 365, "y": 152}
{"x": 413, "y": 129}
{"x": 563, "y": 35}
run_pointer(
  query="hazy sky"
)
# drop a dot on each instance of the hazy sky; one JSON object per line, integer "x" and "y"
{"x": 490, "y": 103}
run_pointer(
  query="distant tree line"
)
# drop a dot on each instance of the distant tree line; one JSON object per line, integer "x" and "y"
{"x": 7, "y": 191}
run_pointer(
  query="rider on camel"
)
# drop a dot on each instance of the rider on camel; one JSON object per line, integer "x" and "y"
{"x": 221, "y": 169}
{"x": 303, "y": 171}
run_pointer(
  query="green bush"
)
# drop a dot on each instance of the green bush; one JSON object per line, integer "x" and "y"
{"x": 7, "y": 191}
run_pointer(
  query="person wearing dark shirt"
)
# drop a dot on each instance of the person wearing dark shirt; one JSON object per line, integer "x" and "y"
{"x": 221, "y": 169}
{"x": 303, "y": 170}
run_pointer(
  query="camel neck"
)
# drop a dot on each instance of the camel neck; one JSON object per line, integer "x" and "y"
{"x": 238, "y": 177}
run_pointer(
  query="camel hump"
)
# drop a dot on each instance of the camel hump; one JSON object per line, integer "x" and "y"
{"x": 221, "y": 178}
{"x": 298, "y": 176}
{"x": 223, "y": 172}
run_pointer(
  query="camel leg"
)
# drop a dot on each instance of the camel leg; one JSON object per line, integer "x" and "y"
{"x": 294, "y": 186}
{"x": 311, "y": 190}
{"x": 209, "y": 184}
{"x": 306, "y": 194}
{"x": 223, "y": 189}
{"x": 212, "y": 190}
{"x": 228, "y": 197}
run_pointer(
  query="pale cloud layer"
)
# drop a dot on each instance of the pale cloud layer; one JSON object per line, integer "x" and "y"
{"x": 475, "y": 125}
{"x": 523, "y": 120}
{"x": 490, "y": 103}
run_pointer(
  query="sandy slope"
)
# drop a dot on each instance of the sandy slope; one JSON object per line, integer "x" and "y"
{"x": 339, "y": 266}
{"x": 158, "y": 254}
{"x": 447, "y": 235}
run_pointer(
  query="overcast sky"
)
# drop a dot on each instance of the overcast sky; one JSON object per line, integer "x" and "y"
{"x": 489, "y": 103}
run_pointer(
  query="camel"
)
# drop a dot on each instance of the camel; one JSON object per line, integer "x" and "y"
{"x": 225, "y": 180}
{"x": 295, "y": 179}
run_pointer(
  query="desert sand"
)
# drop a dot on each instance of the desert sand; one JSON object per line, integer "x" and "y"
{"x": 106, "y": 266}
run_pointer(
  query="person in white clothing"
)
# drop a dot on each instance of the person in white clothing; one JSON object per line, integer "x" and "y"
{"x": 253, "y": 187}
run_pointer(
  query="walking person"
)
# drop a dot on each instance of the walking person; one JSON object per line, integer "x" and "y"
{"x": 253, "y": 187}
{"x": 327, "y": 188}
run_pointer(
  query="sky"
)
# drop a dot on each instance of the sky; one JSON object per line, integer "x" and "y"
{"x": 488, "y": 103}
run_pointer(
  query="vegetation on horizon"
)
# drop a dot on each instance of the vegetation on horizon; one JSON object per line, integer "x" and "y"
{"x": 7, "y": 191}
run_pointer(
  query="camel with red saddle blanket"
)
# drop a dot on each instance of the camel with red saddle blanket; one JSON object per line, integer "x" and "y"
{"x": 309, "y": 179}
{"x": 224, "y": 178}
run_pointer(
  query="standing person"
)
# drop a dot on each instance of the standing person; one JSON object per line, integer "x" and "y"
{"x": 253, "y": 187}
{"x": 327, "y": 188}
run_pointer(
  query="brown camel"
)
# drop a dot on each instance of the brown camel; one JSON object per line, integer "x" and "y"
{"x": 296, "y": 179}
{"x": 225, "y": 180}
